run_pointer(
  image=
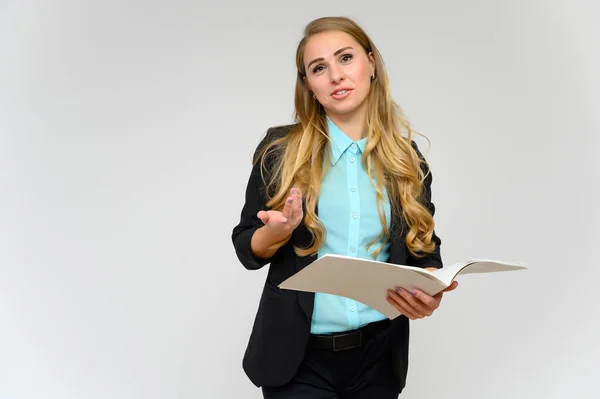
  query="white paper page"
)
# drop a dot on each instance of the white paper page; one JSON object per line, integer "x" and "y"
{"x": 446, "y": 274}
{"x": 365, "y": 281}
{"x": 491, "y": 266}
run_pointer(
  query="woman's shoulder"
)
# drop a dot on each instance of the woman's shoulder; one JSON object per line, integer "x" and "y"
{"x": 273, "y": 133}
{"x": 278, "y": 131}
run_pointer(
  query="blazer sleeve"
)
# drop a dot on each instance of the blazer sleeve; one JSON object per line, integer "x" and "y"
{"x": 255, "y": 200}
{"x": 433, "y": 259}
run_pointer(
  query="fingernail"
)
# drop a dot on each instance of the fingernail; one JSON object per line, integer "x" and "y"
{"x": 398, "y": 290}
{"x": 413, "y": 292}
{"x": 290, "y": 200}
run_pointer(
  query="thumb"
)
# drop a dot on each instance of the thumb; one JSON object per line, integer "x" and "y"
{"x": 451, "y": 287}
{"x": 263, "y": 216}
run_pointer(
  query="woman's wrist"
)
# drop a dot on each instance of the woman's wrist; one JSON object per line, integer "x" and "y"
{"x": 265, "y": 242}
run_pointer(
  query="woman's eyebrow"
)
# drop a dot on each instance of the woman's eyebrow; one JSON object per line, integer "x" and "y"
{"x": 334, "y": 54}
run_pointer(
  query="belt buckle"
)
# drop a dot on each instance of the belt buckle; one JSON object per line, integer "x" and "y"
{"x": 335, "y": 349}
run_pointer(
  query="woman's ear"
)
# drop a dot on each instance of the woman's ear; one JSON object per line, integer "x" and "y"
{"x": 306, "y": 83}
{"x": 372, "y": 61}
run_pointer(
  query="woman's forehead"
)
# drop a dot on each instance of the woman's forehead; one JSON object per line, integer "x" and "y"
{"x": 324, "y": 44}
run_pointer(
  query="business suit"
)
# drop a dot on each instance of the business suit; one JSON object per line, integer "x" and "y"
{"x": 281, "y": 329}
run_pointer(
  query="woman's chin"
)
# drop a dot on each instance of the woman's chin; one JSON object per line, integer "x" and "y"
{"x": 343, "y": 109}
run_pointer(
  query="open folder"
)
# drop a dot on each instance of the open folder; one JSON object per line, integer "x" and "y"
{"x": 367, "y": 281}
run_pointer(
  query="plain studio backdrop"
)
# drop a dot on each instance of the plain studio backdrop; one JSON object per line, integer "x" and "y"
{"x": 127, "y": 129}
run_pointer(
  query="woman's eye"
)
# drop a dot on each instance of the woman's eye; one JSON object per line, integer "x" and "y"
{"x": 345, "y": 58}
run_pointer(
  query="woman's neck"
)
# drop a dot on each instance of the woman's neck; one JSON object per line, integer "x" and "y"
{"x": 353, "y": 124}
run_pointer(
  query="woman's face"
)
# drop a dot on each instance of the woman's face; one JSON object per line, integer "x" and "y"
{"x": 338, "y": 72}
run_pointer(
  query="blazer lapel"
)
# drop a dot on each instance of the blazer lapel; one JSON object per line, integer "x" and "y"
{"x": 397, "y": 247}
{"x": 305, "y": 299}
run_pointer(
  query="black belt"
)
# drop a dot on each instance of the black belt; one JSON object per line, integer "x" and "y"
{"x": 348, "y": 339}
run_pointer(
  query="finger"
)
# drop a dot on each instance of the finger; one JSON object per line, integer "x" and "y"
{"x": 263, "y": 216}
{"x": 297, "y": 213}
{"x": 293, "y": 215}
{"x": 402, "y": 308}
{"x": 415, "y": 303}
{"x": 440, "y": 294}
{"x": 429, "y": 301}
{"x": 451, "y": 287}
{"x": 296, "y": 192}
{"x": 298, "y": 197}
{"x": 296, "y": 207}
{"x": 401, "y": 305}
{"x": 287, "y": 209}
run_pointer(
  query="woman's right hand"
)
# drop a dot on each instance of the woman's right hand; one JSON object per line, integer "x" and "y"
{"x": 282, "y": 223}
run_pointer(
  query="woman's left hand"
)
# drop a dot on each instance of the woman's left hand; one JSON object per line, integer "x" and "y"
{"x": 416, "y": 304}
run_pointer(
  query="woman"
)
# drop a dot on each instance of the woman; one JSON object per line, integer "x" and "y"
{"x": 345, "y": 179}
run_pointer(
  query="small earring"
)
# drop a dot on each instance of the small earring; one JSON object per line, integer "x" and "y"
{"x": 373, "y": 76}
{"x": 315, "y": 97}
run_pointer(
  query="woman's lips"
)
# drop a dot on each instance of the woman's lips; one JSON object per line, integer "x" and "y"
{"x": 344, "y": 93}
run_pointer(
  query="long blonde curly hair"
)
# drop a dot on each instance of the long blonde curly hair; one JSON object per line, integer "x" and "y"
{"x": 294, "y": 158}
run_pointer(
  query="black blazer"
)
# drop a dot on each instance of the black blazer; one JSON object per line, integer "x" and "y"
{"x": 282, "y": 325}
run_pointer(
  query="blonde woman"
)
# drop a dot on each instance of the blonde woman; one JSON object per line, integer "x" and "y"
{"x": 347, "y": 179}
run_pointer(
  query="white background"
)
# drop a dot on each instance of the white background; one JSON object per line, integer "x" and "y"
{"x": 126, "y": 131}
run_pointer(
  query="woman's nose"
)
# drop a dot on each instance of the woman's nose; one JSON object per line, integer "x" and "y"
{"x": 336, "y": 74}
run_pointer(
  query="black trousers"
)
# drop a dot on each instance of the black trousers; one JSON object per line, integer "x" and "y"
{"x": 356, "y": 373}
